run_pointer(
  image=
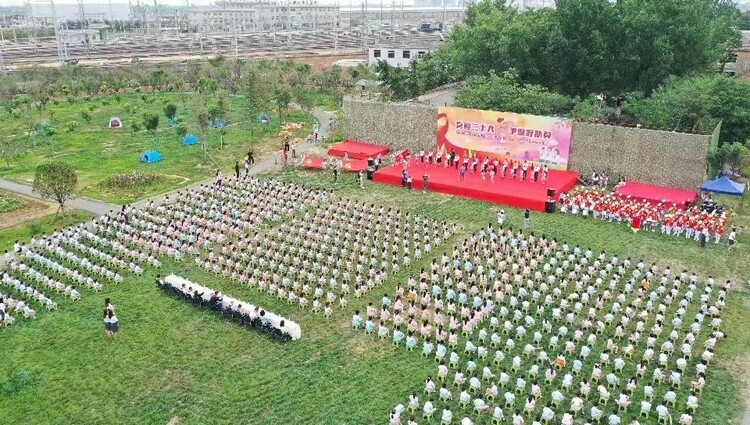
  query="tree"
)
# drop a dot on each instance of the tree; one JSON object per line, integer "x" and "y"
{"x": 170, "y": 111}
{"x": 627, "y": 45}
{"x": 55, "y": 180}
{"x": 729, "y": 155}
{"x": 283, "y": 97}
{"x": 505, "y": 93}
{"x": 181, "y": 131}
{"x": 697, "y": 105}
{"x": 150, "y": 122}
{"x": 10, "y": 148}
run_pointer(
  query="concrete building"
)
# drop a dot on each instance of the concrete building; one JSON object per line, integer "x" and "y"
{"x": 399, "y": 15}
{"x": 398, "y": 57}
{"x": 263, "y": 15}
{"x": 73, "y": 37}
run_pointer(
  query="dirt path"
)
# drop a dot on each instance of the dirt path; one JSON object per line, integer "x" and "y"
{"x": 34, "y": 209}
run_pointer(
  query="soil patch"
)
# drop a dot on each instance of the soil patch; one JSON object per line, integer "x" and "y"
{"x": 34, "y": 209}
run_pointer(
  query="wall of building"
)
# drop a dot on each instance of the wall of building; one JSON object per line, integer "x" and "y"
{"x": 401, "y": 57}
{"x": 398, "y": 125}
{"x": 662, "y": 158}
{"x": 656, "y": 157}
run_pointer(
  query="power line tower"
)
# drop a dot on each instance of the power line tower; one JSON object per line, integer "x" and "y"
{"x": 2, "y": 43}
{"x": 157, "y": 16}
{"x": 30, "y": 19}
{"x": 60, "y": 36}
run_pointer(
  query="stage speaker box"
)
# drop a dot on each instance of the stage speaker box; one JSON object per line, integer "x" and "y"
{"x": 370, "y": 171}
{"x": 550, "y": 193}
{"x": 370, "y": 162}
{"x": 550, "y": 207}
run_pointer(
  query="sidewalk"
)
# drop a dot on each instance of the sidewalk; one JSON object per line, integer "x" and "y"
{"x": 97, "y": 208}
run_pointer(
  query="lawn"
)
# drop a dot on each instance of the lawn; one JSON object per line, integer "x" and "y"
{"x": 98, "y": 152}
{"x": 173, "y": 360}
{"x": 26, "y": 231}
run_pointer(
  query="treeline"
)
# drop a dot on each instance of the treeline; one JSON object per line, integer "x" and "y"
{"x": 629, "y": 62}
{"x": 259, "y": 81}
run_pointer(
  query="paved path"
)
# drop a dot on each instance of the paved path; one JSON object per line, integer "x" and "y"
{"x": 95, "y": 207}
{"x": 99, "y": 208}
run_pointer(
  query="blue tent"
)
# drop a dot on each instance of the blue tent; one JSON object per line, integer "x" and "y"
{"x": 190, "y": 139}
{"x": 149, "y": 157}
{"x": 724, "y": 186}
{"x": 219, "y": 123}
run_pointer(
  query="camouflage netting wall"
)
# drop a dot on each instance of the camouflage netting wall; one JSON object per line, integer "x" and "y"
{"x": 661, "y": 158}
{"x": 398, "y": 125}
{"x": 655, "y": 157}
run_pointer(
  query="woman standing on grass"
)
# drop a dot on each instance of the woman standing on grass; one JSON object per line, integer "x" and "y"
{"x": 114, "y": 324}
{"x": 107, "y": 323}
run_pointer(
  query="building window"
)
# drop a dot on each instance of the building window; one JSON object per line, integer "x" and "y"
{"x": 376, "y": 53}
{"x": 391, "y": 54}
{"x": 420, "y": 54}
{"x": 407, "y": 54}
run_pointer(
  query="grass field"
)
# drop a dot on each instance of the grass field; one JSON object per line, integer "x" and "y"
{"x": 26, "y": 231}
{"x": 97, "y": 152}
{"x": 173, "y": 360}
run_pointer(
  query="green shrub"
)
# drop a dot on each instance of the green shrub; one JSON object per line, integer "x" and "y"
{"x": 16, "y": 382}
{"x": 8, "y": 203}
{"x": 132, "y": 180}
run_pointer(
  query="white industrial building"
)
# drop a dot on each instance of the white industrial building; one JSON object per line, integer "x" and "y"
{"x": 263, "y": 15}
{"x": 398, "y": 57}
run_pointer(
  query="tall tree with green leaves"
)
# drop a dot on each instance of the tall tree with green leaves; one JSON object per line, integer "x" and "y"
{"x": 151, "y": 122}
{"x": 55, "y": 180}
{"x": 170, "y": 111}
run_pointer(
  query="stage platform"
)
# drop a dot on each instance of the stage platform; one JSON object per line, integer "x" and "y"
{"x": 509, "y": 192}
{"x": 657, "y": 194}
{"x": 357, "y": 150}
{"x": 315, "y": 163}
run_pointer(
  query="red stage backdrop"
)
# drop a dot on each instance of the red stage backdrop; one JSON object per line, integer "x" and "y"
{"x": 544, "y": 140}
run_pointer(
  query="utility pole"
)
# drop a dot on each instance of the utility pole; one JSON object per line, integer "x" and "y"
{"x": 158, "y": 25}
{"x": 2, "y": 43}
{"x": 31, "y": 20}
{"x": 289, "y": 21}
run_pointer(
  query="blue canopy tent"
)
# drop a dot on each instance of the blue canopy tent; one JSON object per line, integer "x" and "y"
{"x": 190, "y": 139}
{"x": 723, "y": 185}
{"x": 149, "y": 157}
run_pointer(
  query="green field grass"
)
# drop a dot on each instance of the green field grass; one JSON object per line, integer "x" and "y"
{"x": 173, "y": 360}
{"x": 97, "y": 152}
{"x": 24, "y": 232}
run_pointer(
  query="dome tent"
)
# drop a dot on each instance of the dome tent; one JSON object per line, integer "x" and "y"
{"x": 190, "y": 139}
{"x": 115, "y": 123}
{"x": 149, "y": 157}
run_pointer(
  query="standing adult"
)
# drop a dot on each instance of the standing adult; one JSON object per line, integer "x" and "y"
{"x": 114, "y": 325}
{"x": 237, "y": 169}
{"x": 251, "y": 157}
{"x": 526, "y": 218}
{"x": 107, "y": 323}
{"x": 425, "y": 180}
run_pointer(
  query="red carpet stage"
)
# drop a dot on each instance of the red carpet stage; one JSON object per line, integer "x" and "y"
{"x": 357, "y": 150}
{"x": 315, "y": 163}
{"x": 656, "y": 194}
{"x": 504, "y": 191}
